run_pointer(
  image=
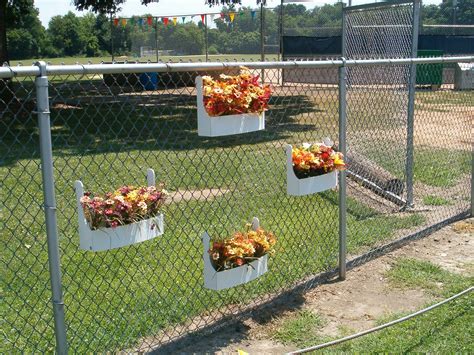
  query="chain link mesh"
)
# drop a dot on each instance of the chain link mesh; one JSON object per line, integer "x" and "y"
{"x": 377, "y": 108}
{"x": 108, "y": 129}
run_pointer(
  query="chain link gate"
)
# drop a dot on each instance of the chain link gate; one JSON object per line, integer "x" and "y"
{"x": 381, "y": 30}
{"x": 106, "y": 130}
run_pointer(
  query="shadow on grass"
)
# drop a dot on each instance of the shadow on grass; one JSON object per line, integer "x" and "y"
{"x": 119, "y": 123}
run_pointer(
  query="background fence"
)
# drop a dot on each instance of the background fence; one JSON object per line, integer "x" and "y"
{"x": 107, "y": 129}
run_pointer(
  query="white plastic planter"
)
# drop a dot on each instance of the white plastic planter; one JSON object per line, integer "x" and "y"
{"x": 209, "y": 126}
{"x": 112, "y": 238}
{"x": 220, "y": 280}
{"x": 307, "y": 186}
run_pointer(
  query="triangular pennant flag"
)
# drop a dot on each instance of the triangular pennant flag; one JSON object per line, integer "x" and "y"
{"x": 183, "y": 18}
{"x": 202, "y": 18}
{"x": 231, "y": 16}
{"x": 241, "y": 13}
{"x": 222, "y": 15}
{"x": 124, "y": 22}
{"x": 175, "y": 20}
{"x": 253, "y": 13}
{"x": 165, "y": 20}
{"x": 140, "y": 22}
{"x": 116, "y": 22}
{"x": 149, "y": 20}
{"x": 132, "y": 21}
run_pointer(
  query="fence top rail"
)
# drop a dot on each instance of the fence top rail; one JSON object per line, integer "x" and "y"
{"x": 86, "y": 69}
{"x": 378, "y": 5}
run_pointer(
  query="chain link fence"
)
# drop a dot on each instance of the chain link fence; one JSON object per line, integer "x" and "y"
{"x": 384, "y": 30}
{"x": 107, "y": 127}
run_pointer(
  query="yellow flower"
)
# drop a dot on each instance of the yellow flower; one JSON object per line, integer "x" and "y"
{"x": 132, "y": 196}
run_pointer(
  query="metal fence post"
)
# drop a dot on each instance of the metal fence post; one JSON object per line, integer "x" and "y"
{"x": 411, "y": 105}
{"x": 342, "y": 174}
{"x": 262, "y": 39}
{"x": 472, "y": 185}
{"x": 206, "y": 37}
{"x": 42, "y": 97}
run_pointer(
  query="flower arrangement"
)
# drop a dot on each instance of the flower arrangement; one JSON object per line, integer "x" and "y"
{"x": 241, "y": 248}
{"x": 230, "y": 95}
{"x": 315, "y": 159}
{"x": 126, "y": 205}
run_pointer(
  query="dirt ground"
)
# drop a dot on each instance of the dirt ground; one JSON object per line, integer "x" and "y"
{"x": 355, "y": 303}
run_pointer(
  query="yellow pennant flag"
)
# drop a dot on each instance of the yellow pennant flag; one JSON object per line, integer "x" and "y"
{"x": 241, "y": 352}
{"x": 231, "y": 16}
{"x": 124, "y": 22}
{"x": 175, "y": 20}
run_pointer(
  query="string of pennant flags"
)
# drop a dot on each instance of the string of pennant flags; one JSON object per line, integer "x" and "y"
{"x": 150, "y": 20}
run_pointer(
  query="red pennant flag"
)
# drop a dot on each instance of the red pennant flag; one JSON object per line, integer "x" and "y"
{"x": 116, "y": 22}
{"x": 202, "y": 18}
{"x": 165, "y": 21}
{"x": 222, "y": 15}
{"x": 149, "y": 20}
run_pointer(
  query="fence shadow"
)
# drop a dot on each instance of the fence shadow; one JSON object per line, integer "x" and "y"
{"x": 88, "y": 124}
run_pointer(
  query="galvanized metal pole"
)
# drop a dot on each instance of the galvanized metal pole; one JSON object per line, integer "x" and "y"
{"x": 344, "y": 31}
{"x": 112, "y": 36}
{"x": 342, "y": 174}
{"x": 411, "y": 105}
{"x": 262, "y": 39}
{"x": 280, "y": 54}
{"x": 42, "y": 98}
{"x": 156, "y": 40}
{"x": 342, "y": 76}
{"x": 206, "y": 37}
{"x": 472, "y": 185}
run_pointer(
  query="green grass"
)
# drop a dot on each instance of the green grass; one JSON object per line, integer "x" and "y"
{"x": 446, "y": 329}
{"x": 432, "y": 166}
{"x": 449, "y": 98}
{"x": 115, "y": 298}
{"x": 300, "y": 329}
{"x": 413, "y": 273}
{"x": 185, "y": 58}
{"x": 432, "y": 200}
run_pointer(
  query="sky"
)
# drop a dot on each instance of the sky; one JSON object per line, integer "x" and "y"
{"x": 50, "y": 8}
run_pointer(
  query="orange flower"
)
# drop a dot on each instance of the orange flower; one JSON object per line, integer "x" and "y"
{"x": 316, "y": 159}
{"x": 241, "y": 248}
{"x": 235, "y": 94}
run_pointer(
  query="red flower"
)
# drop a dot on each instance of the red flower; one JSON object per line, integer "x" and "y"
{"x": 239, "y": 261}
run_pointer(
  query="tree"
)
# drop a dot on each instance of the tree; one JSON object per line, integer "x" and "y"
{"x": 65, "y": 34}
{"x": 102, "y": 6}
{"x": 19, "y": 15}
{"x": 187, "y": 39}
{"x": 103, "y": 32}
{"x": 3, "y": 32}
{"x": 22, "y": 44}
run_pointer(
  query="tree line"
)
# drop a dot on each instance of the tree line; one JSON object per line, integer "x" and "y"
{"x": 94, "y": 35}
